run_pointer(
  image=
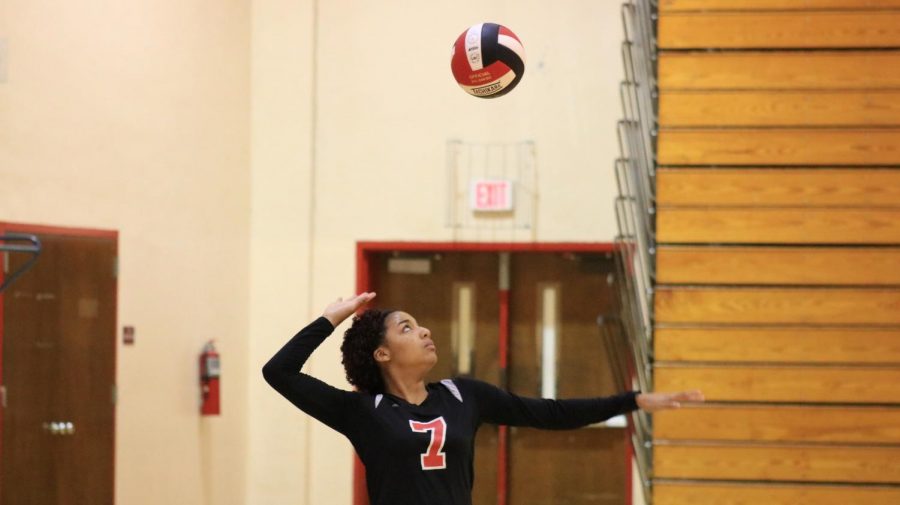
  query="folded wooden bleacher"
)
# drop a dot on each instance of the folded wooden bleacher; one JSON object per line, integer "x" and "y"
{"x": 778, "y": 252}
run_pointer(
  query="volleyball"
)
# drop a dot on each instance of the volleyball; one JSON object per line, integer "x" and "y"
{"x": 487, "y": 60}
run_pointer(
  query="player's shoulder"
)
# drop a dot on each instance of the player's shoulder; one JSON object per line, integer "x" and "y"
{"x": 363, "y": 401}
{"x": 461, "y": 388}
{"x": 450, "y": 386}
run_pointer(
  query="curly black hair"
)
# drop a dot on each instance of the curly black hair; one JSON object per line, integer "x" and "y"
{"x": 358, "y": 348}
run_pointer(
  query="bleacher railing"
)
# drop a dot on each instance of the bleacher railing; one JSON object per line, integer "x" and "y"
{"x": 628, "y": 335}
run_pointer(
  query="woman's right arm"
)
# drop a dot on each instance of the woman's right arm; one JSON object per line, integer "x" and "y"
{"x": 316, "y": 398}
{"x": 323, "y": 402}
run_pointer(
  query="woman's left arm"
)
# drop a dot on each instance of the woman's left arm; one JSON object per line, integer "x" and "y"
{"x": 497, "y": 406}
{"x": 652, "y": 402}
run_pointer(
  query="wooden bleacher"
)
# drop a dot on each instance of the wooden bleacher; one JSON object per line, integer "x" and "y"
{"x": 778, "y": 255}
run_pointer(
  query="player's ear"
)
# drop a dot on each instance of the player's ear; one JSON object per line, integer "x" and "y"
{"x": 381, "y": 354}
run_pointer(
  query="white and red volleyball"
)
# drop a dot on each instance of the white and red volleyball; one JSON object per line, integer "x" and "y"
{"x": 488, "y": 60}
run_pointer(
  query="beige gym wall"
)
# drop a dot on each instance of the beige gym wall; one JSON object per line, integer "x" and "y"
{"x": 282, "y": 157}
{"x": 134, "y": 116}
{"x": 241, "y": 149}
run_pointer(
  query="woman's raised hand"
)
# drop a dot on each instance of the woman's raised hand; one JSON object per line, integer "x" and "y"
{"x": 341, "y": 309}
{"x": 651, "y": 402}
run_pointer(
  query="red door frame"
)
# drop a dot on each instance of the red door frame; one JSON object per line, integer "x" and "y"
{"x": 364, "y": 251}
{"x": 6, "y": 227}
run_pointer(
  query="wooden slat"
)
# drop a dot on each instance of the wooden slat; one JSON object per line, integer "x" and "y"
{"x": 779, "y": 108}
{"x": 796, "y": 384}
{"x": 698, "y": 493}
{"x": 780, "y": 70}
{"x": 779, "y": 147}
{"x": 778, "y": 187}
{"x": 778, "y": 265}
{"x": 777, "y": 30}
{"x": 777, "y": 463}
{"x": 778, "y": 226}
{"x": 777, "y": 344}
{"x": 666, "y": 6}
{"x": 841, "y": 306}
{"x": 837, "y": 425}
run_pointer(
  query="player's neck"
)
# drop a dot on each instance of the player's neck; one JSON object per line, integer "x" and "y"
{"x": 409, "y": 388}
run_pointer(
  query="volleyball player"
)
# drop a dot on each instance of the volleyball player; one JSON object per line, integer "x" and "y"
{"x": 416, "y": 440}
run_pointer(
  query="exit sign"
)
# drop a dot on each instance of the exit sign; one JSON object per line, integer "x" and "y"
{"x": 491, "y": 195}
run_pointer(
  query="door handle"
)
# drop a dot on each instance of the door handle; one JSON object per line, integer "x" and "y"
{"x": 59, "y": 427}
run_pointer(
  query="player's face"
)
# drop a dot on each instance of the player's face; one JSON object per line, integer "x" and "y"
{"x": 409, "y": 344}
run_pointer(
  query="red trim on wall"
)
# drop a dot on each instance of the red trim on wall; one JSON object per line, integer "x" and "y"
{"x": 503, "y": 431}
{"x": 364, "y": 283}
{"x": 37, "y": 229}
{"x": 629, "y": 454}
{"x": 360, "y": 493}
{"x": 504, "y": 333}
{"x": 502, "y": 464}
{"x": 366, "y": 247}
{"x": 362, "y": 270}
{"x": 2, "y": 231}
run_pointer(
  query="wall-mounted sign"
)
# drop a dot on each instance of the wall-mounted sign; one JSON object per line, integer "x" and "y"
{"x": 491, "y": 195}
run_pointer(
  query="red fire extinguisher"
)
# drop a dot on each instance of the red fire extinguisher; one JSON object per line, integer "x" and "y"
{"x": 209, "y": 380}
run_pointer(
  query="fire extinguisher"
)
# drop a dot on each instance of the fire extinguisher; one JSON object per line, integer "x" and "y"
{"x": 209, "y": 380}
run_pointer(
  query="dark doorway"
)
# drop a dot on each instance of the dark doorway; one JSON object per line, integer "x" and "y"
{"x": 58, "y": 349}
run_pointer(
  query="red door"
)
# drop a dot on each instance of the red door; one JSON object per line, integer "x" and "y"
{"x": 58, "y": 372}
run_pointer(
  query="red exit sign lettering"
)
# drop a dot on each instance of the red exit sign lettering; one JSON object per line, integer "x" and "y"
{"x": 495, "y": 195}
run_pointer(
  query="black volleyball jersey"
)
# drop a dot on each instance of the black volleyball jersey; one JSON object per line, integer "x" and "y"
{"x": 421, "y": 454}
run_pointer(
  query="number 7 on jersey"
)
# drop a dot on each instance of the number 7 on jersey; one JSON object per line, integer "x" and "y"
{"x": 434, "y": 458}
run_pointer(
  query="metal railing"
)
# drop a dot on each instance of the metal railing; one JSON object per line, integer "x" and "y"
{"x": 18, "y": 243}
{"x": 628, "y": 335}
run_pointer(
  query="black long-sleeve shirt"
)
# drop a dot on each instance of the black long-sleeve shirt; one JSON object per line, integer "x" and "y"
{"x": 421, "y": 454}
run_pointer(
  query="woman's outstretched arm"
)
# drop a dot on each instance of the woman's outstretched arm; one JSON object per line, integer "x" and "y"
{"x": 325, "y": 403}
{"x": 497, "y": 406}
{"x": 652, "y": 402}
